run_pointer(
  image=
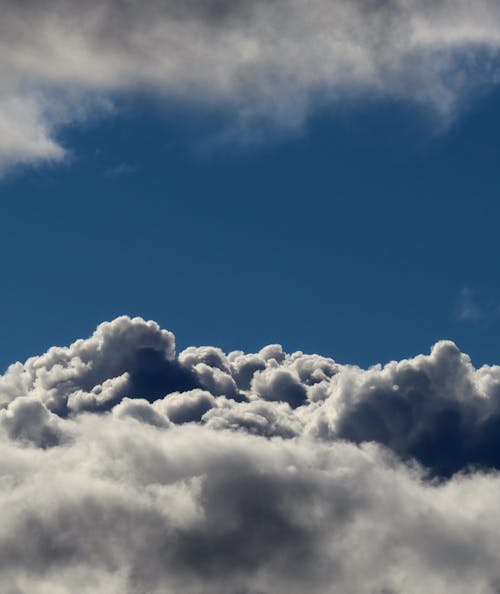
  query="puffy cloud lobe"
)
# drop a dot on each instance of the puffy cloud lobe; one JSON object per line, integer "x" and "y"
{"x": 26, "y": 419}
{"x": 101, "y": 396}
{"x": 140, "y": 410}
{"x": 279, "y": 384}
{"x": 280, "y": 473}
{"x": 244, "y": 368}
{"x": 434, "y": 408}
{"x": 215, "y": 380}
{"x": 263, "y": 61}
{"x": 123, "y": 356}
{"x": 189, "y": 406}
{"x": 257, "y": 417}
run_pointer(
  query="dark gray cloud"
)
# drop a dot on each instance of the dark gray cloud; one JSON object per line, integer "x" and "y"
{"x": 259, "y": 473}
{"x": 271, "y": 61}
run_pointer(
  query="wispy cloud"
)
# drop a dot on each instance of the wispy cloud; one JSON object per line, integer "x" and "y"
{"x": 467, "y": 307}
{"x": 261, "y": 61}
{"x": 474, "y": 307}
{"x": 120, "y": 170}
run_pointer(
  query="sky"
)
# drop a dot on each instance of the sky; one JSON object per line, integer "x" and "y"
{"x": 250, "y": 298}
{"x": 366, "y": 236}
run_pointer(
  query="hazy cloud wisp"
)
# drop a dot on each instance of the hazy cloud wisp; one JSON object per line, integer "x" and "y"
{"x": 61, "y": 60}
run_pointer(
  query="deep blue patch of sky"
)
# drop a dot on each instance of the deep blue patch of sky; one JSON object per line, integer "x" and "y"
{"x": 354, "y": 238}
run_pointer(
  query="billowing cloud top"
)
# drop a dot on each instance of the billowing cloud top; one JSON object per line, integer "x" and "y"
{"x": 128, "y": 468}
{"x": 274, "y": 59}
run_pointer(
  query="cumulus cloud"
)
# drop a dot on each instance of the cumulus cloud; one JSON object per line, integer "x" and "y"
{"x": 290, "y": 473}
{"x": 270, "y": 61}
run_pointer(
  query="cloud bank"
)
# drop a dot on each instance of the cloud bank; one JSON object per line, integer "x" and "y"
{"x": 128, "y": 468}
{"x": 261, "y": 60}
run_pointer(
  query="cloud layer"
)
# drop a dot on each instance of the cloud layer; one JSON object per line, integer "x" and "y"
{"x": 128, "y": 468}
{"x": 271, "y": 61}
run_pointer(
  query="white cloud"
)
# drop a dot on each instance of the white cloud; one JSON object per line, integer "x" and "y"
{"x": 261, "y": 61}
{"x": 123, "y": 468}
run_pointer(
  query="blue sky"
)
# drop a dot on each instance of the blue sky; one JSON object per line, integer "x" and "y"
{"x": 366, "y": 235}
{"x": 321, "y": 174}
